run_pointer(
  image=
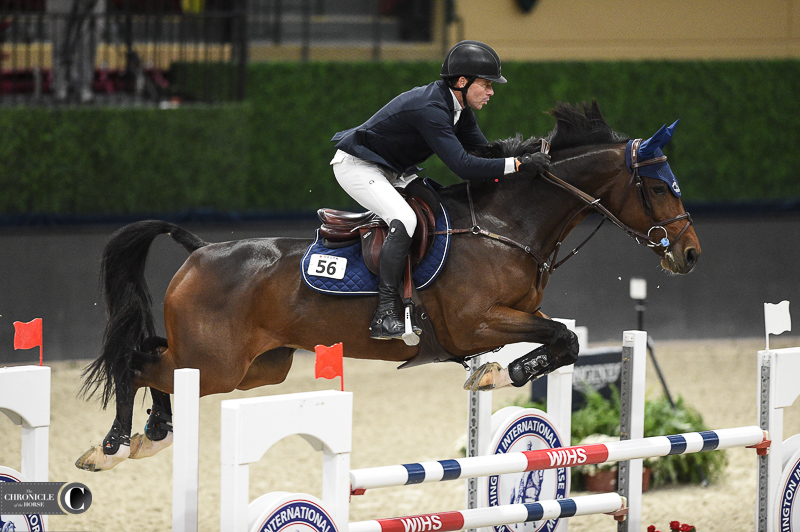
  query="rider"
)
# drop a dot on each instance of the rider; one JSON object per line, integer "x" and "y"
{"x": 383, "y": 153}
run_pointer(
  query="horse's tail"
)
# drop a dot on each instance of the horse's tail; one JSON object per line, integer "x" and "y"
{"x": 128, "y": 305}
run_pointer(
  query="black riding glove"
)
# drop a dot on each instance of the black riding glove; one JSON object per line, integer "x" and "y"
{"x": 533, "y": 163}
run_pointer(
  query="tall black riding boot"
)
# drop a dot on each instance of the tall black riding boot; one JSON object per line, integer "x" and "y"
{"x": 387, "y": 322}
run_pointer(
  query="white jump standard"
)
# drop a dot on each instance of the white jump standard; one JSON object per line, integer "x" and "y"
{"x": 25, "y": 399}
{"x": 779, "y": 387}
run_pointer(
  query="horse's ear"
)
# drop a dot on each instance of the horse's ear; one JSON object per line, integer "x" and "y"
{"x": 660, "y": 139}
{"x": 670, "y": 129}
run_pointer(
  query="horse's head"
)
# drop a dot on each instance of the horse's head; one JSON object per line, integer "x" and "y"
{"x": 661, "y": 217}
{"x": 630, "y": 179}
{"x": 636, "y": 186}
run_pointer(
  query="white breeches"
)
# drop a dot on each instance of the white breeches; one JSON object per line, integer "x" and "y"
{"x": 371, "y": 186}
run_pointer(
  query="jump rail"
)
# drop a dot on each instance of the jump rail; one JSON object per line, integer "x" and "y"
{"x": 497, "y": 515}
{"x": 326, "y": 423}
{"x": 501, "y": 464}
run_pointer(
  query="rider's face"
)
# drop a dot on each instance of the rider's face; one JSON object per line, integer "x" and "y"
{"x": 479, "y": 93}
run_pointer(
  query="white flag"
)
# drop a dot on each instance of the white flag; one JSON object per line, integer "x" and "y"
{"x": 777, "y": 318}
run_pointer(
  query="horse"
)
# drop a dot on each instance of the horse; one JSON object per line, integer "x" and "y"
{"x": 238, "y": 310}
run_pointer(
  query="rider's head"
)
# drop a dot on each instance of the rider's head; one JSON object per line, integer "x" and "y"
{"x": 468, "y": 61}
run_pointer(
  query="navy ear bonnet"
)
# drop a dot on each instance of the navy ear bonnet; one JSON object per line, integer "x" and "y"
{"x": 650, "y": 149}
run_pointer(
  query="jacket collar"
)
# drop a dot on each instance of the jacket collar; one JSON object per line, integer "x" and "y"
{"x": 447, "y": 95}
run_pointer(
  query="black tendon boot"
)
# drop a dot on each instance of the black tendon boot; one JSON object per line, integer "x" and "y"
{"x": 159, "y": 423}
{"x": 387, "y": 322}
{"x": 115, "y": 438}
{"x": 535, "y": 364}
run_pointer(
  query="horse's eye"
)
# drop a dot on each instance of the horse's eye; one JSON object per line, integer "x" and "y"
{"x": 659, "y": 190}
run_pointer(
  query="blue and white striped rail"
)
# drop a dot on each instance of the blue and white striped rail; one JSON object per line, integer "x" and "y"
{"x": 518, "y": 462}
{"x": 495, "y": 515}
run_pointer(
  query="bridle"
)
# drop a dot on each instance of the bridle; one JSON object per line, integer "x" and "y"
{"x": 592, "y": 203}
{"x": 648, "y": 209}
{"x": 636, "y": 179}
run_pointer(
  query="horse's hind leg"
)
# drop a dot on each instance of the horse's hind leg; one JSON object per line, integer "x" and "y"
{"x": 158, "y": 429}
{"x": 270, "y": 367}
{"x": 117, "y": 443}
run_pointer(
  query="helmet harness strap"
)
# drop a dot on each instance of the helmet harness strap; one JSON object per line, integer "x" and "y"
{"x": 463, "y": 90}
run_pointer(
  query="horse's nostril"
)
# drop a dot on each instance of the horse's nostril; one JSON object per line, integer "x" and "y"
{"x": 691, "y": 256}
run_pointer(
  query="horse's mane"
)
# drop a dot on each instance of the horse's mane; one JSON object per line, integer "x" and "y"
{"x": 576, "y": 125}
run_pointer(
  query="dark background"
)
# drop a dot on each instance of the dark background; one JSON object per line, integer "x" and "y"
{"x": 747, "y": 260}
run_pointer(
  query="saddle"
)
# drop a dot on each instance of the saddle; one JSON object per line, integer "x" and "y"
{"x": 343, "y": 228}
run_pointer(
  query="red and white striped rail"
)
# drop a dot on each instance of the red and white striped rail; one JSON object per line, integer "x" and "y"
{"x": 501, "y": 464}
{"x": 495, "y": 515}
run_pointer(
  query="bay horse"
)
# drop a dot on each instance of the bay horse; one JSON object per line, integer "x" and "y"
{"x": 238, "y": 310}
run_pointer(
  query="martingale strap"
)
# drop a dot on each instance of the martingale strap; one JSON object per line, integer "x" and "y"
{"x": 478, "y": 230}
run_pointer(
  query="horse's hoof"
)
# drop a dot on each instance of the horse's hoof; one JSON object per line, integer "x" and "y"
{"x": 487, "y": 377}
{"x": 144, "y": 447}
{"x": 96, "y": 460}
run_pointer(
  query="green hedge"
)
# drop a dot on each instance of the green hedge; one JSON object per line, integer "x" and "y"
{"x": 740, "y": 122}
{"x": 116, "y": 161}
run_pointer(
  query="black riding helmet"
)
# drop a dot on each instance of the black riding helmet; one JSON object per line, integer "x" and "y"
{"x": 471, "y": 59}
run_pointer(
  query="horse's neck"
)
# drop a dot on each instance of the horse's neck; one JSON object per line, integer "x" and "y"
{"x": 596, "y": 171}
{"x": 534, "y": 211}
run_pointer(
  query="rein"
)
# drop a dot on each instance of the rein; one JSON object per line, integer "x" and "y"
{"x": 590, "y": 203}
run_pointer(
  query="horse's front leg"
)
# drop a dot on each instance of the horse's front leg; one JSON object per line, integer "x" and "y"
{"x": 505, "y": 326}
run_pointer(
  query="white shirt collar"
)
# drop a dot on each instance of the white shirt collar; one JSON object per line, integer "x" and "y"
{"x": 456, "y": 106}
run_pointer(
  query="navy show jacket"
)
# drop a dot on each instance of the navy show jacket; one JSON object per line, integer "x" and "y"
{"x": 415, "y": 125}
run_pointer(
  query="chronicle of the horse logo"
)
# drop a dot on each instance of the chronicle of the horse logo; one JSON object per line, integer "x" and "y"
{"x": 18, "y": 523}
{"x": 297, "y": 514}
{"x": 527, "y": 430}
{"x": 788, "y": 516}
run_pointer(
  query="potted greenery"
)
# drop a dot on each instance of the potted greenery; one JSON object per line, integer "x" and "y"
{"x": 599, "y": 419}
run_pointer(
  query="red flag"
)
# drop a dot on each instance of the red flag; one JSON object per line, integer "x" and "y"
{"x": 28, "y": 335}
{"x": 329, "y": 362}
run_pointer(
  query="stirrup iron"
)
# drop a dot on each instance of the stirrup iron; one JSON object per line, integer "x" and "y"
{"x": 409, "y": 336}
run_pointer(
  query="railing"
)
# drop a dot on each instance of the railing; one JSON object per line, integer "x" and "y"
{"x": 146, "y": 52}
{"x": 134, "y": 52}
{"x": 339, "y": 23}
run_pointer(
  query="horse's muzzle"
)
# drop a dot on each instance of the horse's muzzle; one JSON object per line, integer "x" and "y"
{"x": 681, "y": 261}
